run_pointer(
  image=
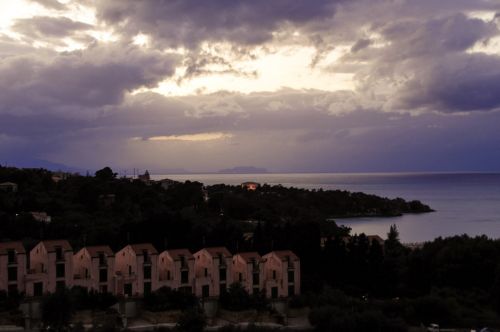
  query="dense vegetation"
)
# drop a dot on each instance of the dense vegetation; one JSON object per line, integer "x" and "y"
{"x": 350, "y": 283}
{"x": 102, "y": 209}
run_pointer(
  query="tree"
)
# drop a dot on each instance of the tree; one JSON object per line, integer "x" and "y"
{"x": 105, "y": 174}
{"x": 236, "y": 298}
{"x": 57, "y": 310}
{"x": 192, "y": 320}
{"x": 393, "y": 235}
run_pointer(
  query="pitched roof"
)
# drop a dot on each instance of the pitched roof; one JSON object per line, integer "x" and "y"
{"x": 51, "y": 245}
{"x": 375, "y": 238}
{"x": 216, "y": 251}
{"x": 95, "y": 250}
{"x": 249, "y": 256}
{"x": 140, "y": 247}
{"x": 8, "y": 184}
{"x": 177, "y": 253}
{"x": 15, "y": 245}
{"x": 284, "y": 254}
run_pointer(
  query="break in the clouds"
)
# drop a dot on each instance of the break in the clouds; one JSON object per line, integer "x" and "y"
{"x": 289, "y": 85}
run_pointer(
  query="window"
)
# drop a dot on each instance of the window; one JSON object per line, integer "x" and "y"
{"x": 274, "y": 274}
{"x": 59, "y": 254}
{"x": 222, "y": 289}
{"x": 146, "y": 256}
{"x": 11, "y": 257}
{"x": 60, "y": 285}
{"x": 255, "y": 278}
{"x": 240, "y": 277}
{"x": 12, "y": 273}
{"x": 291, "y": 290}
{"x": 206, "y": 272}
{"x": 186, "y": 289}
{"x": 274, "y": 292}
{"x": 168, "y": 275}
{"x": 147, "y": 288}
{"x": 130, "y": 269}
{"x": 127, "y": 289}
{"x": 184, "y": 277}
{"x": 38, "y": 289}
{"x": 87, "y": 275}
{"x": 102, "y": 259}
{"x": 147, "y": 272}
{"x": 291, "y": 276}
{"x": 205, "y": 291}
{"x": 103, "y": 275}
{"x": 60, "y": 270}
{"x": 222, "y": 274}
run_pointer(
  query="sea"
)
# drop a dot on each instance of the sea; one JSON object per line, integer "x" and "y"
{"x": 464, "y": 203}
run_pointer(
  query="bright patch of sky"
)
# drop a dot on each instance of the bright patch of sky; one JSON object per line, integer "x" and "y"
{"x": 288, "y": 66}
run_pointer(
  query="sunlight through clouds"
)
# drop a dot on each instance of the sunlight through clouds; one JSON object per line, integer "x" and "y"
{"x": 201, "y": 137}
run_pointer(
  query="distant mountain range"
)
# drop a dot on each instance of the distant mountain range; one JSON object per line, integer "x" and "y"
{"x": 243, "y": 170}
{"x": 40, "y": 163}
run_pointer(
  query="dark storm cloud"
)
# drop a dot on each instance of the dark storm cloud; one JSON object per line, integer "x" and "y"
{"x": 455, "y": 83}
{"x": 296, "y": 128}
{"x": 189, "y": 22}
{"x": 455, "y": 33}
{"x": 40, "y": 27}
{"x": 425, "y": 65}
{"x": 97, "y": 76}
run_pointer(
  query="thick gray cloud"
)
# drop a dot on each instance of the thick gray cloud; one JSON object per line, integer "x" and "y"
{"x": 285, "y": 131}
{"x": 189, "y": 22}
{"x": 97, "y": 76}
{"x": 425, "y": 64}
{"x": 40, "y": 27}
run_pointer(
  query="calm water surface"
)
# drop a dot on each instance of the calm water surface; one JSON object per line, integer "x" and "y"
{"x": 464, "y": 203}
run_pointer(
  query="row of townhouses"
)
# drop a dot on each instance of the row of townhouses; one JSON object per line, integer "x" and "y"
{"x": 139, "y": 269}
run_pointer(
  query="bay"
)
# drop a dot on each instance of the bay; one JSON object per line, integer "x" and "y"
{"x": 465, "y": 203}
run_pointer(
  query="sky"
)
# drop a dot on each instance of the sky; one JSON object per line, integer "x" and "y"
{"x": 285, "y": 85}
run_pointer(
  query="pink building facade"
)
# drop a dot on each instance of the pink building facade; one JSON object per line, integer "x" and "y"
{"x": 282, "y": 274}
{"x": 176, "y": 270}
{"x": 12, "y": 267}
{"x": 136, "y": 268}
{"x": 94, "y": 269}
{"x": 51, "y": 267}
{"x": 213, "y": 271}
{"x": 248, "y": 269}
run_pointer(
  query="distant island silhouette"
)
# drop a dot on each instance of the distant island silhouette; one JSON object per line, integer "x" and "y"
{"x": 243, "y": 170}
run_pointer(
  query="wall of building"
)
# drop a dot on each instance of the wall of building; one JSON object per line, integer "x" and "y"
{"x": 43, "y": 270}
{"x": 20, "y": 266}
